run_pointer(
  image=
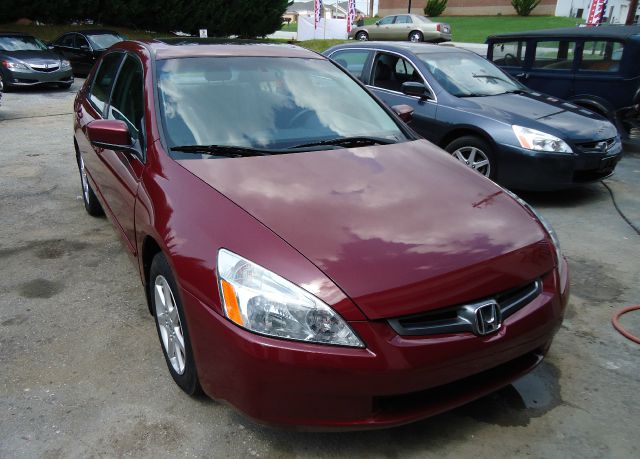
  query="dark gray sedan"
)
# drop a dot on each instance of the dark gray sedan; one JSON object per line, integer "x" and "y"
{"x": 520, "y": 138}
{"x": 27, "y": 61}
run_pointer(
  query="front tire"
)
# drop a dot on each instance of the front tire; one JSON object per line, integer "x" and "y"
{"x": 416, "y": 36}
{"x": 475, "y": 153}
{"x": 171, "y": 326}
{"x": 91, "y": 203}
{"x": 362, "y": 36}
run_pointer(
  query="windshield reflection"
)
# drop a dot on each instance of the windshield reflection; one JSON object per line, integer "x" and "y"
{"x": 264, "y": 102}
{"x": 466, "y": 74}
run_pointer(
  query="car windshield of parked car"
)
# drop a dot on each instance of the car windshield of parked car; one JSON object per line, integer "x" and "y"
{"x": 266, "y": 103}
{"x": 16, "y": 43}
{"x": 103, "y": 40}
{"x": 467, "y": 74}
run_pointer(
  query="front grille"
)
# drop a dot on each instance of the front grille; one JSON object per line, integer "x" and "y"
{"x": 45, "y": 67}
{"x": 599, "y": 146}
{"x": 452, "y": 319}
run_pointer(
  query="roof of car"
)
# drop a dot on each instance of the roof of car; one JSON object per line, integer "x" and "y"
{"x": 613, "y": 31}
{"x": 196, "y": 47}
{"x": 416, "y": 48}
{"x": 96, "y": 32}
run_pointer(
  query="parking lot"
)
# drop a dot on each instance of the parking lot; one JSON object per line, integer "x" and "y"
{"x": 82, "y": 373}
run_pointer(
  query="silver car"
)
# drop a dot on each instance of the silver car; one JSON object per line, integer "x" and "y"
{"x": 27, "y": 61}
{"x": 410, "y": 27}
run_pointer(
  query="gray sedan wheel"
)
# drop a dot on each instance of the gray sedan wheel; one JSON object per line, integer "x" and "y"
{"x": 474, "y": 153}
{"x": 416, "y": 36}
{"x": 362, "y": 36}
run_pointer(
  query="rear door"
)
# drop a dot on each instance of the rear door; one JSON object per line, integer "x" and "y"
{"x": 599, "y": 74}
{"x": 552, "y": 64}
{"x": 401, "y": 27}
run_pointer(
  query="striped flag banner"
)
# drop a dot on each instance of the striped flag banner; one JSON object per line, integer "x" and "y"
{"x": 317, "y": 9}
{"x": 596, "y": 12}
{"x": 351, "y": 14}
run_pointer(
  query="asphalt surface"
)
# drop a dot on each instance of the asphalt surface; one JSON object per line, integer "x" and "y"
{"x": 82, "y": 373}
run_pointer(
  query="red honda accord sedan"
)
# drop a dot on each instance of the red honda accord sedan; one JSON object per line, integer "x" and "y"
{"x": 307, "y": 257}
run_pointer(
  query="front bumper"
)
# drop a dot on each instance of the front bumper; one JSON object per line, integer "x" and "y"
{"x": 33, "y": 77}
{"x": 395, "y": 380}
{"x": 523, "y": 169}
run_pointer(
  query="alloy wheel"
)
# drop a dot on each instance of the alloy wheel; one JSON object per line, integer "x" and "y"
{"x": 473, "y": 158}
{"x": 169, "y": 324}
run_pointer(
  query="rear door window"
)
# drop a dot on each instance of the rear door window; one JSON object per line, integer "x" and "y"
{"x": 601, "y": 56}
{"x": 352, "y": 60}
{"x": 554, "y": 55}
{"x": 509, "y": 54}
{"x": 103, "y": 82}
{"x": 403, "y": 20}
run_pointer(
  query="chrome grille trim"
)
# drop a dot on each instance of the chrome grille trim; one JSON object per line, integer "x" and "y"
{"x": 454, "y": 320}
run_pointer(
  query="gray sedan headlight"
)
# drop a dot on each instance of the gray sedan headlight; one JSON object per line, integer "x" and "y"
{"x": 64, "y": 64}
{"x": 263, "y": 302}
{"x": 533, "y": 139}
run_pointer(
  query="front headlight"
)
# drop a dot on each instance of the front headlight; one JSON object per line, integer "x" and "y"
{"x": 64, "y": 64}
{"x": 14, "y": 65}
{"x": 263, "y": 302}
{"x": 533, "y": 139}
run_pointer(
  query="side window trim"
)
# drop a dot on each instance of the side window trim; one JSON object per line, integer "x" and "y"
{"x": 142, "y": 140}
{"x": 95, "y": 74}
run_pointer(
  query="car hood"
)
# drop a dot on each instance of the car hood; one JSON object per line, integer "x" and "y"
{"x": 399, "y": 228}
{"x": 546, "y": 113}
{"x": 44, "y": 56}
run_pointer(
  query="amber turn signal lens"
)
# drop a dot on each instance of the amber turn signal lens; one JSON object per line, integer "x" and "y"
{"x": 232, "y": 309}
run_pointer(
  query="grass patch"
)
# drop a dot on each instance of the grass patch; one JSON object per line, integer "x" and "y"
{"x": 476, "y": 29}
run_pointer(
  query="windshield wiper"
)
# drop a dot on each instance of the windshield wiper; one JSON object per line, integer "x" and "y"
{"x": 348, "y": 142}
{"x": 473, "y": 94}
{"x": 229, "y": 151}
{"x": 492, "y": 77}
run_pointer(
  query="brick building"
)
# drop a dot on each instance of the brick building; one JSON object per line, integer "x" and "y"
{"x": 464, "y": 7}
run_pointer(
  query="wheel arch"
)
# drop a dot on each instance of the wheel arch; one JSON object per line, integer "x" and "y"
{"x": 462, "y": 131}
{"x": 595, "y": 104}
{"x": 150, "y": 248}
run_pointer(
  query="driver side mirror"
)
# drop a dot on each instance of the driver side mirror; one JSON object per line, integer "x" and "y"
{"x": 405, "y": 112}
{"x": 378, "y": 23}
{"x": 413, "y": 88}
{"x": 85, "y": 48}
{"x": 112, "y": 135}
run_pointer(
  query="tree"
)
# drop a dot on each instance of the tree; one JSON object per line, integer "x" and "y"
{"x": 244, "y": 18}
{"x": 435, "y": 7}
{"x": 524, "y": 7}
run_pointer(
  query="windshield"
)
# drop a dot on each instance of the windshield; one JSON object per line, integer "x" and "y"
{"x": 17, "y": 43}
{"x": 265, "y": 102}
{"x": 467, "y": 74}
{"x": 103, "y": 40}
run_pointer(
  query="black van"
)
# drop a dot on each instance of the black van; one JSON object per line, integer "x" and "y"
{"x": 594, "y": 67}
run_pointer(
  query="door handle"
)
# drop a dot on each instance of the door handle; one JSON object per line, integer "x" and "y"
{"x": 522, "y": 75}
